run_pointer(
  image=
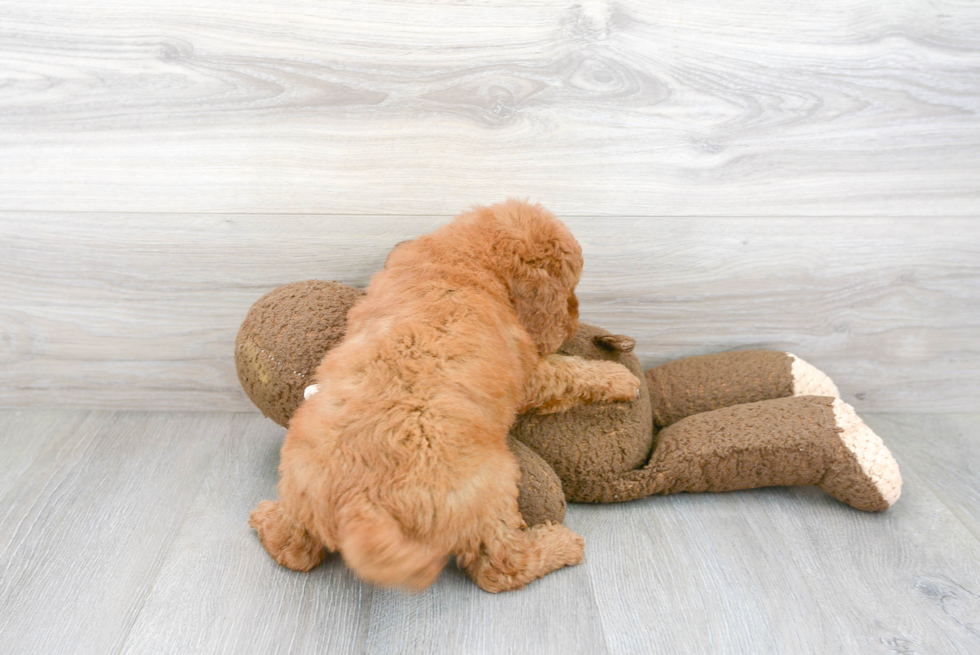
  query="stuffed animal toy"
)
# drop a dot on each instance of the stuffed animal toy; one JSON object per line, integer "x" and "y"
{"x": 736, "y": 420}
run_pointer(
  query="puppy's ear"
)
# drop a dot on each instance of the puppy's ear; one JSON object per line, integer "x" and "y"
{"x": 542, "y": 293}
{"x": 540, "y": 261}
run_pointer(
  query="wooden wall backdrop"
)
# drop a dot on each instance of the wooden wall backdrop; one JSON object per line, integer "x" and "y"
{"x": 796, "y": 175}
{"x": 140, "y": 310}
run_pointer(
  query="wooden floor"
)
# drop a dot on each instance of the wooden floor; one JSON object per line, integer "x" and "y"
{"x": 126, "y": 532}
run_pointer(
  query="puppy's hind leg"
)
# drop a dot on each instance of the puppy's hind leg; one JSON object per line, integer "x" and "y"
{"x": 507, "y": 558}
{"x": 288, "y": 542}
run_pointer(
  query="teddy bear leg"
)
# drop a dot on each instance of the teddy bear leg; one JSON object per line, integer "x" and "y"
{"x": 288, "y": 542}
{"x": 560, "y": 382}
{"x": 540, "y": 497}
{"x": 700, "y": 384}
{"x": 800, "y": 440}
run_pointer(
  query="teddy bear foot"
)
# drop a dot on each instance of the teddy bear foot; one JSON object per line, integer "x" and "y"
{"x": 796, "y": 440}
{"x": 808, "y": 380}
{"x": 865, "y": 475}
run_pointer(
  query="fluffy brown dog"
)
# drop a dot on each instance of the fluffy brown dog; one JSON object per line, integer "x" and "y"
{"x": 400, "y": 460}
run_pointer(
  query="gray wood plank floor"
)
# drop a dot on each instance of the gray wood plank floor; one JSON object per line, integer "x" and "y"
{"x": 126, "y": 532}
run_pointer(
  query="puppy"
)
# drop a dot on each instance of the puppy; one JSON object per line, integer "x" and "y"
{"x": 400, "y": 460}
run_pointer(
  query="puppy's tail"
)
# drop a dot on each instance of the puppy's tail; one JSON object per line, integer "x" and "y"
{"x": 376, "y": 547}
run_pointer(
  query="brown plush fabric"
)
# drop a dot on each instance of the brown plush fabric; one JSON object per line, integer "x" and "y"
{"x": 590, "y": 443}
{"x": 540, "y": 496}
{"x": 779, "y": 442}
{"x": 283, "y": 338}
{"x": 788, "y": 441}
{"x": 699, "y": 384}
{"x": 601, "y": 453}
{"x": 847, "y": 482}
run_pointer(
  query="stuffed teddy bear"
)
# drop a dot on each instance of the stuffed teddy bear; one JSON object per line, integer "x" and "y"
{"x": 736, "y": 420}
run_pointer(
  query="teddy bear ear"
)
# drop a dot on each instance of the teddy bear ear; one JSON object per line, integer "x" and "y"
{"x": 615, "y": 342}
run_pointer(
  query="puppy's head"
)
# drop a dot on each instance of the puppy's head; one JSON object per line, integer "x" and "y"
{"x": 540, "y": 261}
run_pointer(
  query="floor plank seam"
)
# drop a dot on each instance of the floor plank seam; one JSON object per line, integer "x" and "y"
{"x": 908, "y": 462}
{"x": 955, "y": 510}
{"x": 170, "y": 547}
{"x": 595, "y": 601}
{"x": 44, "y": 495}
{"x": 364, "y": 630}
{"x": 763, "y": 571}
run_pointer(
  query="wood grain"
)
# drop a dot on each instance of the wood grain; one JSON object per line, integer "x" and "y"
{"x": 87, "y": 524}
{"x": 633, "y": 108}
{"x": 557, "y": 614}
{"x": 126, "y": 533}
{"x": 944, "y": 450}
{"x": 140, "y": 311}
{"x": 219, "y": 591}
{"x": 783, "y": 571}
{"x": 690, "y": 574}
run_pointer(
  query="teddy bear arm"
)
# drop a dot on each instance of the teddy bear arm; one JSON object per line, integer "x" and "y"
{"x": 704, "y": 383}
{"x": 800, "y": 440}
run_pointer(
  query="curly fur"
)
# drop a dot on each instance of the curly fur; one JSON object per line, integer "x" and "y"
{"x": 400, "y": 460}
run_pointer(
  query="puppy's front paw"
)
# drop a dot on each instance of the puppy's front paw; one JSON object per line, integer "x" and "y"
{"x": 613, "y": 382}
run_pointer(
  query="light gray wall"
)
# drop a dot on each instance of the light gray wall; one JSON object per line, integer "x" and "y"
{"x": 141, "y": 310}
{"x": 753, "y": 174}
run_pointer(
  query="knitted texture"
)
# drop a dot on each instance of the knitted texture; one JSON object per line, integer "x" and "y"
{"x": 808, "y": 380}
{"x": 873, "y": 480}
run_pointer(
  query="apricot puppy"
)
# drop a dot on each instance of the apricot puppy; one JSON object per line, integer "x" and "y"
{"x": 400, "y": 460}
